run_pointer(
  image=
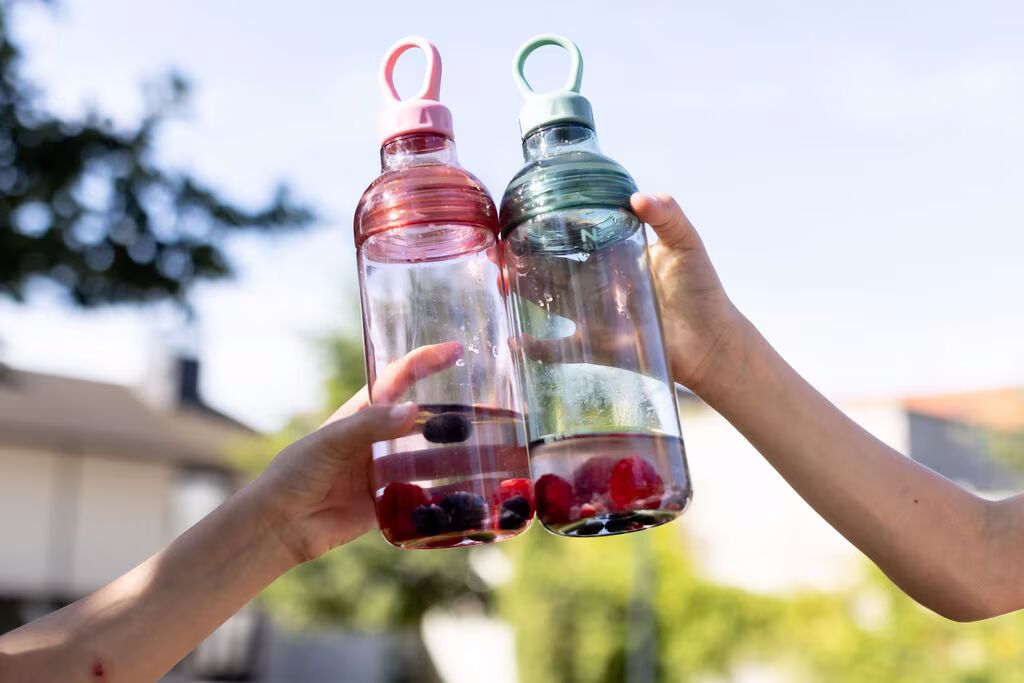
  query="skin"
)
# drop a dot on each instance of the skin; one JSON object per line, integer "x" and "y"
{"x": 952, "y": 551}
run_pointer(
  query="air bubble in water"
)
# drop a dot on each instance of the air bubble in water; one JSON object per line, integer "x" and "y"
{"x": 461, "y": 363}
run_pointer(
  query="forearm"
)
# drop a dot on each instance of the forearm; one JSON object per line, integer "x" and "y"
{"x": 139, "y": 626}
{"x": 933, "y": 538}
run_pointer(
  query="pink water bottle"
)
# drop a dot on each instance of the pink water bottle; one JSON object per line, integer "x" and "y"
{"x": 436, "y": 332}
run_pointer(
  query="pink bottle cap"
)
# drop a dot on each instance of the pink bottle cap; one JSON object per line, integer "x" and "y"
{"x": 421, "y": 113}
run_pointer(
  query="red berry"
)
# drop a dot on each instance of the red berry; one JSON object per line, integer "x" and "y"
{"x": 395, "y": 507}
{"x": 510, "y": 488}
{"x": 554, "y": 499}
{"x": 587, "y": 510}
{"x": 634, "y": 478}
{"x": 592, "y": 478}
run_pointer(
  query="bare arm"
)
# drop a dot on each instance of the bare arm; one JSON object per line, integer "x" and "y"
{"x": 314, "y": 496}
{"x": 952, "y": 551}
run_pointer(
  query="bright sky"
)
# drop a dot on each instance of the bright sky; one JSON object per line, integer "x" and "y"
{"x": 856, "y": 171}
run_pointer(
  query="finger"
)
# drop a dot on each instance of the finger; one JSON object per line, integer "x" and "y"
{"x": 415, "y": 365}
{"x": 662, "y": 212}
{"x": 557, "y": 350}
{"x": 358, "y": 431}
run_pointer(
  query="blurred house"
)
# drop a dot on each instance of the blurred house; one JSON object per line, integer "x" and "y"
{"x": 749, "y": 529}
{"x": 96, "y": 477}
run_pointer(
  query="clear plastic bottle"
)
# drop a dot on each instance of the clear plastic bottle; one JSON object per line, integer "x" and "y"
{"x": 606, "y": 448}
{"x": 436, "y": 332}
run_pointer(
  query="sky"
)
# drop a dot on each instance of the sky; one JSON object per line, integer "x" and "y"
{"x": 856, "y": 171}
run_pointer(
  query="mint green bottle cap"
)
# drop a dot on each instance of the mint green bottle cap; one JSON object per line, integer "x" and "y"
{"x": 565, "y": 105}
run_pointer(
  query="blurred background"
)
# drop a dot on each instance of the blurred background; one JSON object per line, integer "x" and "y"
{"x": 178, "y": 301}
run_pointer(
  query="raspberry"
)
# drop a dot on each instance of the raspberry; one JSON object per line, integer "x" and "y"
{"x": 554, "y": 499}
{"x": 634, "y": 478}
{"x": 510, "y": 488}
{"x": 592, "y": 478}
{"x": 395, "y": 507}
{"x": 587, "y": 510}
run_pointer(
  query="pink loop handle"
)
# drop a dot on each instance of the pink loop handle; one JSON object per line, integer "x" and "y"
{"x": 431, "y": 89}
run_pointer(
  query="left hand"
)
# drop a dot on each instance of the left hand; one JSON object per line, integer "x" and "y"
{"x": 317, "y": 490}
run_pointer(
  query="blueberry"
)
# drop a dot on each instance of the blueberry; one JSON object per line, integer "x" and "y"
{"x": 621, "y": 524}
{"x": 447, "y": 428}
{"x": 465, "y": 510}
{"x": 645, "y": 518}
{"x": 518, "y": 505}
{"x": 430, "y": 520}
{"x": 509, "y": 519}
{"x": 590, "y": 528}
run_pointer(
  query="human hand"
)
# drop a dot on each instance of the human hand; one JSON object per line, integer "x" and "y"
{"x": 317, "y": 491}
{"x": 699, "y": 319}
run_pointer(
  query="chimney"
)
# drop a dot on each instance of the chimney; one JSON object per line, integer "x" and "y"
{"x": 172, "y": 381}
{"x": 187, "y": 381}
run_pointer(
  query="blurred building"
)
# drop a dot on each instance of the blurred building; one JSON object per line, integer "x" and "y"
{"x": 96, "y": 477}
{"x": 748, "y": 528}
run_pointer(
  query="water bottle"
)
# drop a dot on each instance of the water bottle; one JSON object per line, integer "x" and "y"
{"x": 606, "y": 448}
{"x": 436, "y": 332}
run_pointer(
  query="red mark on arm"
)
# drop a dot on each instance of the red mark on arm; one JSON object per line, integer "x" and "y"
{"x": 98, "y": 672}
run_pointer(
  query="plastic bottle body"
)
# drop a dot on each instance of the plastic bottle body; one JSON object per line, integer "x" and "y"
{"x": 436, "y": 333}
{"x": 605, "y": 440}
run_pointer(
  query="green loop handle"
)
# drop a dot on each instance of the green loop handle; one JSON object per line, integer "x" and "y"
{"x": 575, "y": 62}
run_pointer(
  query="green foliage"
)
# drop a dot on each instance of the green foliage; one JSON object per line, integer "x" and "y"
{"x": 86, "y": 206}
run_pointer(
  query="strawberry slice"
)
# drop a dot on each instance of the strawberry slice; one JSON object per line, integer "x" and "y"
{"x": 633, "y": 479}
{"x": 554, "y": 499}
{"x": 395, "y": 507}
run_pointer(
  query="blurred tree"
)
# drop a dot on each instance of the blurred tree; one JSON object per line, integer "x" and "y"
{"x": 85, "y": 205}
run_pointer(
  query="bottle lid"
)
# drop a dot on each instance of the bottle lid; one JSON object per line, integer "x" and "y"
{"x": 421, "y": 113}
{"x": 562, "y": 105}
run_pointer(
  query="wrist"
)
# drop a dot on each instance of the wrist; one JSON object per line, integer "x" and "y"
{"x": 725, "y": 367}
{"x": 271, "y": 529}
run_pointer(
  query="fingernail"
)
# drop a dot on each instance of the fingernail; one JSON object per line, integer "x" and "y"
{"x": 401, "y": 411}
{"x": 652, "y": 199}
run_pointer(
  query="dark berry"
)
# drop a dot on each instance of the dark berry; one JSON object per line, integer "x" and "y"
{"x": 509, "y": 520}
{"x": 430, "y": 520}
{"x": 645, "y": 518}
{"x": 447, "y": 428}
{"x": 465, "y": 510}
{"x": 592, "y": 478}
{"x": 554, "y": 499}
{"x": 590, "y": 528}
{"x": 518, "y": 505}
{"x": 510, "y": 488}
{"x": 617, "y": 526}
{"x": 634, "y": 478}
{"x": 395, "y": 507}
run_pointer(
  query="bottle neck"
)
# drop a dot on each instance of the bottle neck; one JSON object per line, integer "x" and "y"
{"x": 418, "y": 148}
{"x": 559, "y": 139}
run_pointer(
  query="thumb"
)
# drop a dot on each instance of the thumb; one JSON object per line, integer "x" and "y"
{"x": 662, "y": 212}
{"x": 373, "y": 423}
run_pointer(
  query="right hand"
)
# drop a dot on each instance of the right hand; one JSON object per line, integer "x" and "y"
{"x": 700, "y": 320}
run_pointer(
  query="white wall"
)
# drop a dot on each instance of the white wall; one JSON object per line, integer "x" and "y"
{"x": 71, "y": 523}
{"x": 747, "y": 527}
{"x": 27, "y": 489}
{"x": 123, "y": 517}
